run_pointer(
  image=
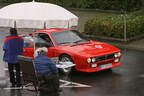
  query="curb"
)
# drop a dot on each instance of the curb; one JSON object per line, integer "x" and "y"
{"x": 126, "y": 46}
{"x": 116, "y": 39}
{"x": 119, "y": 42}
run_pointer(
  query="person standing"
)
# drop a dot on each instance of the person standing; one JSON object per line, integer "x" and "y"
{"x": 47, "y": 73}
{"x": 13, "y": 46}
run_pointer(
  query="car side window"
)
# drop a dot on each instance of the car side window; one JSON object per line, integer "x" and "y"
{"x": 28, "y": 42}
{"x": 46, "y": 38}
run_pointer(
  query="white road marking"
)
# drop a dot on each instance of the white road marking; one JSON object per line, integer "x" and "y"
{"x": 72, "y": 84}
{"x": 8, "y": 88}
{"x": 142, "y": 76}
{"x": 5, "y": 69}
{"x": 67, "y": 84}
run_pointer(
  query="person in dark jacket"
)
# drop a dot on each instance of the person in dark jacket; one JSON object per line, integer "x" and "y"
{"x": 13, "y": 46}
{"x": 47, "y": 73}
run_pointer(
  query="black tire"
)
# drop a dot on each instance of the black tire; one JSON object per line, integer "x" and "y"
{"x": 66, "y": 58}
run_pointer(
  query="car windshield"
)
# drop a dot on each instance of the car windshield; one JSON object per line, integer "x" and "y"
{"x": 68, "y": 37}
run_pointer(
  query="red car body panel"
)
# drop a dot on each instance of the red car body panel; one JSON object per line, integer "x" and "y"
{"x": 80, "y": 53}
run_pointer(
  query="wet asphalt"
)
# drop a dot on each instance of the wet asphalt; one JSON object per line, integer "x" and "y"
{"x": 125, "y": 80}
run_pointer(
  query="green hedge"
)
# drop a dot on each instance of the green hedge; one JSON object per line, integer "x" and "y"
{"x": 113, "y": 26}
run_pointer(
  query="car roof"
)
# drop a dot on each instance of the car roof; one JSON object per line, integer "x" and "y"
{"x": 51, "y": 30}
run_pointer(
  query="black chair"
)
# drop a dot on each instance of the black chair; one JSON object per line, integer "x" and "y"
{"x": 28, "y": 71}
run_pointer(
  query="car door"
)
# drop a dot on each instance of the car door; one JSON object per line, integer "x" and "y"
{"x": 47, "y": 43}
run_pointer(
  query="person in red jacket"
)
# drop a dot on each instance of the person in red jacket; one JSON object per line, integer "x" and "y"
{"x": 13, "y": 46}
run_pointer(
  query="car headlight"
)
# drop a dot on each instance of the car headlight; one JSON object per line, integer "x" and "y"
{"x": 117, "y": 54}
{"x": 93, "y": 59}
{"x": 89, "y": 60}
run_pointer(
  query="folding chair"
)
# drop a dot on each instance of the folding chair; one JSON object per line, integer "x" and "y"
{"x": 28, "y": 71}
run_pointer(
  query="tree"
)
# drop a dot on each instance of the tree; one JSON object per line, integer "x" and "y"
{"x": 142, "y": 1}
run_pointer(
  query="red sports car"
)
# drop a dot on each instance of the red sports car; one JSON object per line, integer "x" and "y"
{"x": 70, "y": 45}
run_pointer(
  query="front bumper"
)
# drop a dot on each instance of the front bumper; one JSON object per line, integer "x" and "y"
{"x": 90, "y": 69}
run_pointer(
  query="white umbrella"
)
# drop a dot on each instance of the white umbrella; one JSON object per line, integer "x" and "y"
{"x": 36, "y": 15}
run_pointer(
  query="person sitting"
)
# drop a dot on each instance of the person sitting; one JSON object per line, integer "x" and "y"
{"x": 47, "y": 74}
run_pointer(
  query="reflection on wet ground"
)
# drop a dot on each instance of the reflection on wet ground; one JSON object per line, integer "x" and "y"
{"x": 126, "y": 80}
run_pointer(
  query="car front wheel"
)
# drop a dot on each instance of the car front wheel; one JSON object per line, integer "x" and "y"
{"x": 66, "y": 58}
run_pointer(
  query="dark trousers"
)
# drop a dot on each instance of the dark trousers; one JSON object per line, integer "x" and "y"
{"x": 15, "y": 77}
{"x": 49, "y": 86}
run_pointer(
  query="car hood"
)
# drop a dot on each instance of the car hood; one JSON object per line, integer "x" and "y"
{"x": 93, "y": 48}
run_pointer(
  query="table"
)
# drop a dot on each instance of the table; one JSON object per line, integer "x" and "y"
{"x": 65, "y": 66}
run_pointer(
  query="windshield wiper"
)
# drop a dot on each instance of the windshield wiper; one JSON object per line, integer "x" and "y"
{"x": 82, "y": 41}
{"x": 64, "y": 43}
{"x": 85, "y": 42}
{"x": 78, "y": 41}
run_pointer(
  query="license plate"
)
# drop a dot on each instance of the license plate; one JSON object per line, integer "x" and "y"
{"x": 105, "y": 66}
{"x": 94, "y": 65}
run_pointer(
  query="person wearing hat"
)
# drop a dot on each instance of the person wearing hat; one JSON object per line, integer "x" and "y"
{"x": 47, "y": 73}
{"x": 13, "y": 46}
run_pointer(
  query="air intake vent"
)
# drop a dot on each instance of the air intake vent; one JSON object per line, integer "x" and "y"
{"x": 105, "y": 57}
